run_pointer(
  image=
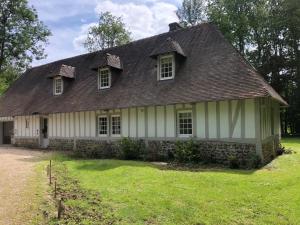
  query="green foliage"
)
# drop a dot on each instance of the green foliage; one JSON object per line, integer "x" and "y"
{"x": 7, "y": 77}
{"x": 283, "y": 150}
{"x": 132, "y": 148}
{"x": 267, "y": 33}
{"x": 191, "y": 12}
{"x": 109, "y": 32}
{"x": 22, "y": 35}
{"x": 233, "y": 162}
{"x": 254, "y": 161}
{"x": 186, "y": 151}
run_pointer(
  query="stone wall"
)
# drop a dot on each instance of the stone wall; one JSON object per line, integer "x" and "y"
{"x": 26, "y": 142}
{"x": 269, "y": 148}
{"x": 155, "y": 150}
{"x": 61, "y": 144}
{"x": 212, "y": 151}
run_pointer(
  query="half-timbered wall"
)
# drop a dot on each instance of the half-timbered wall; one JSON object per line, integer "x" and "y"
{"x": 31, "y": 130}
{"x": 228, "y": 120}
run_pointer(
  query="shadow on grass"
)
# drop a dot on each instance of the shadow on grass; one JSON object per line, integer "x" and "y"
{"x": 110, "y": 164}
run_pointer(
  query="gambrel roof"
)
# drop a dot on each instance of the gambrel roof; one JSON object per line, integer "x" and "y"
{"x": 211, "y": 70}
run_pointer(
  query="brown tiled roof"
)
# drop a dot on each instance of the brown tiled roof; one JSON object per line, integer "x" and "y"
{"x": 64, "y": 71}
{"x": 213, "y": 70}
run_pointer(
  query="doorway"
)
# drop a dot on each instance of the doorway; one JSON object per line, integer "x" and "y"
{"x": 44, "y": 138}
{"x": 7, "y": 132}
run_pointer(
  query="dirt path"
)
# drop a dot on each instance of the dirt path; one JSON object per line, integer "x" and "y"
{"x": 17, "y": 174}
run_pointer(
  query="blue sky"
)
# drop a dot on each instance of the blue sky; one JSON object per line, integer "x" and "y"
{"x": 69, "y": 21}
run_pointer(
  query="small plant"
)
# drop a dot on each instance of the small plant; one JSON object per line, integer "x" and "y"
{"x": 186, "y": 151}
{"x": 254, "y": 161}
{"x": 233, "y": 162}
{"x": 132, "y": 149}
{"x": 282, "y": 150}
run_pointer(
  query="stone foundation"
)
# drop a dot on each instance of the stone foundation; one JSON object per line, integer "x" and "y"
{"x": 211, "y": 151}
{"x": 61, "y": 144}
{"x": 269, "y": 148}
{"x": 156, "y": 150}
{"x": 27, "y": 142}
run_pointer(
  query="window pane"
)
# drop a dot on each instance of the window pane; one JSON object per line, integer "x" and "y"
{"x": 185, "y": 123}
{"x": 166, "y": 67}
{"x": 102, "y": 124}
{"x": 58, "y": 86}
{"x": 104, "y": 77}
{"x": 116, "y": 125}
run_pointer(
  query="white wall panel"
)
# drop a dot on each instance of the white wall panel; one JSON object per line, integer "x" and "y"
{"x": 81, "y": 124}
{"x": 151, "y": 121}
{"x": 237, "y": 125}
{"x": 224, "y": 123}
{"x": 170, "y": 121}
{"x": 141, "y": 122}
{"x": 212, "y": 119}
{"x": 124, "y": 120}
{"x": 200, "y": 111}
{"x": 249, "y": 118}
{"x": 160, "y": 122}
{"x": 132, "y": 125}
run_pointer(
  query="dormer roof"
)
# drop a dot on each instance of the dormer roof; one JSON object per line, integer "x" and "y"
{"x": 63, "y": 70}
{"x": 109, "y": 60}
{"x": 168, "y": 46}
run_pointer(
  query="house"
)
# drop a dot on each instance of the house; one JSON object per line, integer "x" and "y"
{"x": 185, "y": 83}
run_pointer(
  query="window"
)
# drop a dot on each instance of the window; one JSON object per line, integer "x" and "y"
{"x": 115, "y": 125}
{"x": 185, "y": 123}
{"x": 58, "y": 86}
{"x": 104, "y": 78}
{"x": 27, "y": 123}
{"x": 102, "y": 125}
{"x": 166, "y": 67}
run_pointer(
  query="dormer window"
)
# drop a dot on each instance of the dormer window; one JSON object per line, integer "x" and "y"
{"x": 104, "y": 78}
{"x": 58, "y": 86}
{"x": 166, "y": 67}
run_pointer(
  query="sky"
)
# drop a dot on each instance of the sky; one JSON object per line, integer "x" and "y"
{"x": 69, "y": 21}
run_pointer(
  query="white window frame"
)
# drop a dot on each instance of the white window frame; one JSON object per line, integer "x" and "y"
{"x": 111, "y": 125}
{"x": 98, "y": 125}
{"x": 178, "y": 124}
{"x": 159, "y": 66}
{"x": 99, "y": 78}
{"x": 55, "y": 84}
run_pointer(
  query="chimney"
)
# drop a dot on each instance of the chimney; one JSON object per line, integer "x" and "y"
{"x": 175, "y": 26}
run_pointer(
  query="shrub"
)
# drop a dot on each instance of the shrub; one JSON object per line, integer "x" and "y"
{"x": 131, "y": 148}
{"x": 233, "y": 162}
{"x": 254, "y": 161}
{"x": 282, "y": 150}
{"x": 184, "y": 151}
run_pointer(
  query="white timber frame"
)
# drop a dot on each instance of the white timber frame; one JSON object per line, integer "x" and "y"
{"x": 241, "y": 121}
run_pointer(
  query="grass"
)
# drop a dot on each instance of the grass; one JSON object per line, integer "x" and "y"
{"x": 141, "y": 193}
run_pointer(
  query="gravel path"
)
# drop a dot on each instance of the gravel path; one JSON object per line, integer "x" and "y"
{"x": 16, "y": 173}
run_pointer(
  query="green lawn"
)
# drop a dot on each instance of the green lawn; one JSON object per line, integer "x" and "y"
{"x": 141, "y": 193}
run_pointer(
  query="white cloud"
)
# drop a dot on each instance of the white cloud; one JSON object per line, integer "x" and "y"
{"x": 69, "y": 21}
{"x": 142, "y": 20}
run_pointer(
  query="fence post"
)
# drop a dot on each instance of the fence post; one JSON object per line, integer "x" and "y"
{"x": 59, "y": 209}
{"x": 50, "y": 173}
{"x": 55, "y": 189}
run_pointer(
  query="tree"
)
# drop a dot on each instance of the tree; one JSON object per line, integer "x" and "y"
{"x": 22, "y": 35}
{"x": 191, "y": 12}
{"x": 109, "y": 32}
{"x": 267, "y": 34}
